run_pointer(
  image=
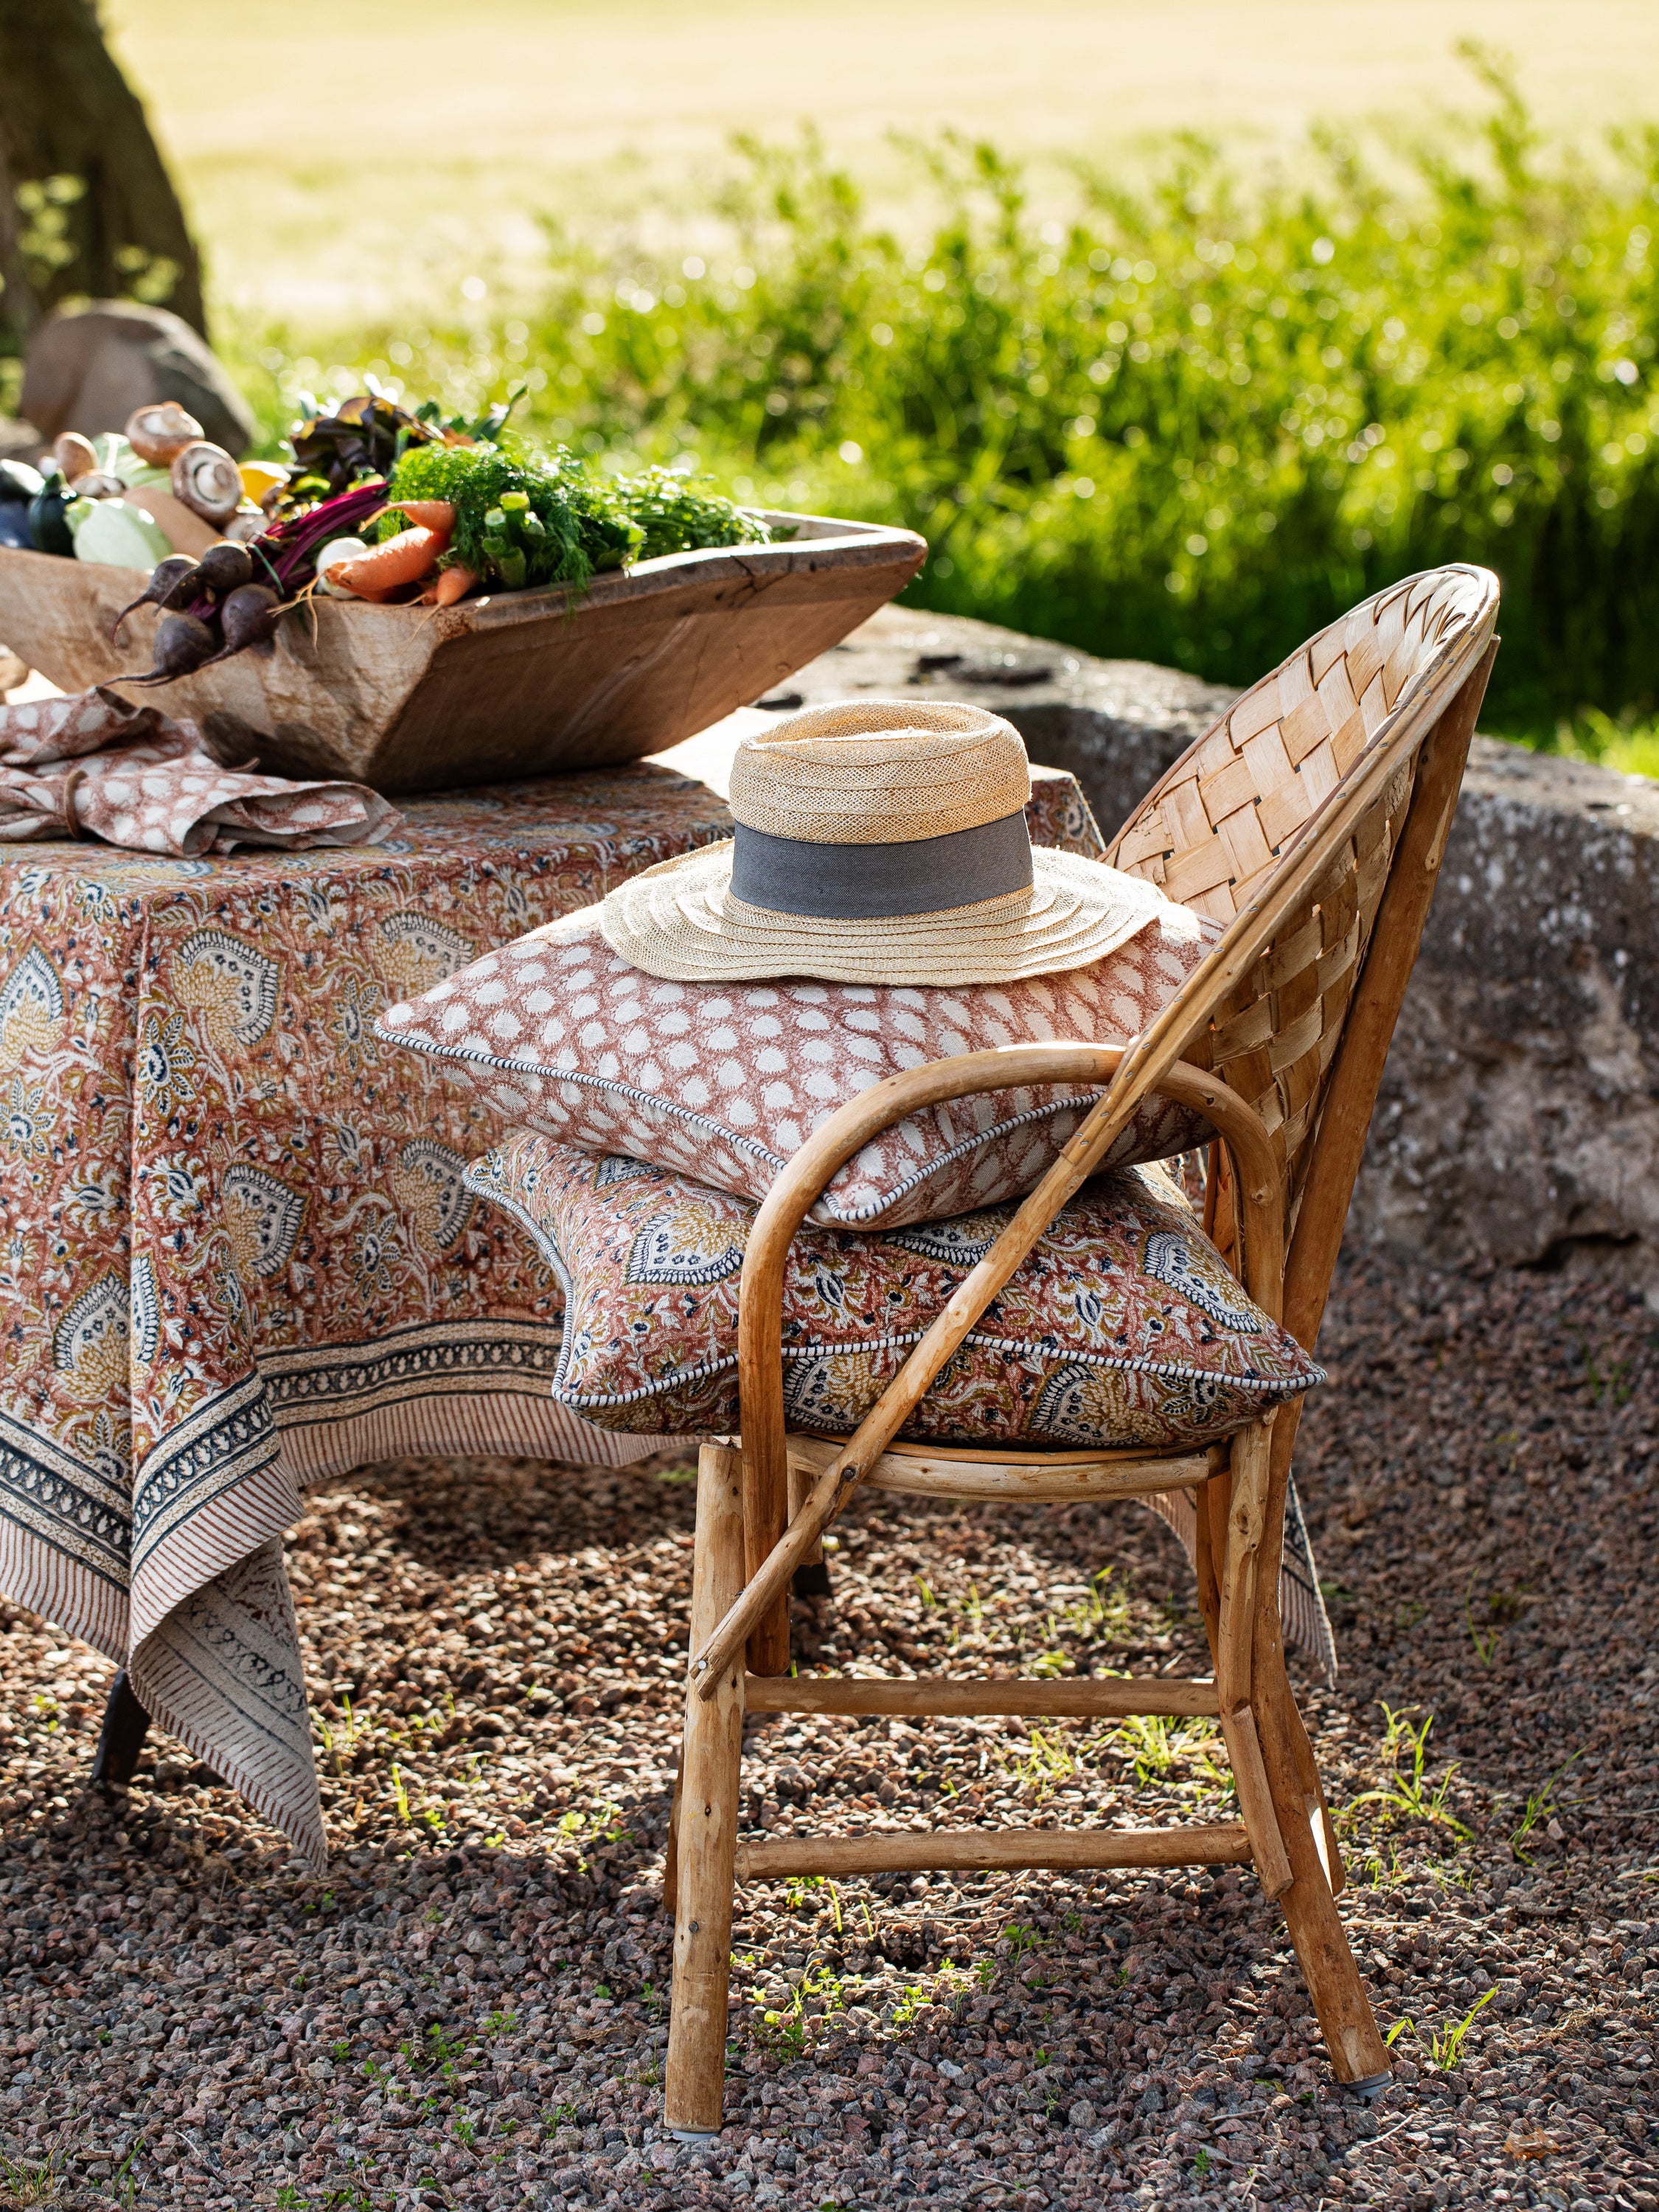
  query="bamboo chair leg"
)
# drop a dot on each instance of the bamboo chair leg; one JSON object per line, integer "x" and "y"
{"x": 1295, "y": 1730}
{"x": 1358, "y": 2055}
{"x": 1245, "y": 1526}
{"x": 764, "y": 1520}
{"x": 708, "y": 1831}
{"x": 1219, "y": 1494}
{"x": 1250, "y": 1460}
{"x": 1204, "y": 1568}
{"x": 1255, "y": 1804}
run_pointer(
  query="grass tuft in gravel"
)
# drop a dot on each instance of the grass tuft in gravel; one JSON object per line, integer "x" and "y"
{"x": 470, "y": 2008}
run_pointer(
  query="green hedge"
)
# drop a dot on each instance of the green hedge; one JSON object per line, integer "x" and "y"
{"x": 1189, "y": 424}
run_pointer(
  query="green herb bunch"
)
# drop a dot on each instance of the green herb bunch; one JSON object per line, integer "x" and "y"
{"x": 677, "y": 515}
{"x": 519, "y": 521}
{"x": 524, "y": 519}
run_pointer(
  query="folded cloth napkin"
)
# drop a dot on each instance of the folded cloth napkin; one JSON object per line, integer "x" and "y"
{"x": 95, "y": 765}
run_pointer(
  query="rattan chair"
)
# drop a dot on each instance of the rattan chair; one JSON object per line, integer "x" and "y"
{"x": 1312, "y": 819}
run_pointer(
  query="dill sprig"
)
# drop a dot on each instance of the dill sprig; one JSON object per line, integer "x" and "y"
{"x": 526, "y": 519}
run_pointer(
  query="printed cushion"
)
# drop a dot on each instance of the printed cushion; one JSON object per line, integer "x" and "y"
{"x": 725, "y": 1082}
{"x": 1124, "y": 1327}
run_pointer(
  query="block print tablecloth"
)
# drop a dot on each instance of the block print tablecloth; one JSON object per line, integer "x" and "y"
{"x": 235, "y": 1254}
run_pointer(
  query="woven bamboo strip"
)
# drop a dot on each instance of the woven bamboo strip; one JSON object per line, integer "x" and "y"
{"x": 1229, "y": 813}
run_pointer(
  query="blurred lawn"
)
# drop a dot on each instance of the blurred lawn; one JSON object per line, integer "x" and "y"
{"x": 1174, "y": 404}
{"x": 341, "y": 161}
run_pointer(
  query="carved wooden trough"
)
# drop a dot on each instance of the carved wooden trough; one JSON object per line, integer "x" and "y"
{"x": 518, "y": 684}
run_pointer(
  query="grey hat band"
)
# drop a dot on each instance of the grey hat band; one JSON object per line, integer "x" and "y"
{"x": 868, "y": 882}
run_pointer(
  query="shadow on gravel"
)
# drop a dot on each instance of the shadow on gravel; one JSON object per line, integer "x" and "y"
{"x": 469, "y": 2009}
{"x": 509, "y": 1510}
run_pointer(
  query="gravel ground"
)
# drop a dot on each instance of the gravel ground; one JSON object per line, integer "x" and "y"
{"x": 470, "y": 2008}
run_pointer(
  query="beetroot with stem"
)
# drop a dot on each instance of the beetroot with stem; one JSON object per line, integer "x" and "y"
{"x": 225, "y": 567}
{"x": 183, "y": 643}
{"x": 286, "y": 557}
{"x": 290, "y": 550}
{"x": 172, "y": 583}
{"x": 284, "y": 561}
{"x": 247, "y": 616}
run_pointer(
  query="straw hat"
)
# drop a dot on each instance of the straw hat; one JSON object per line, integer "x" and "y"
{"x": 878, "y": 840}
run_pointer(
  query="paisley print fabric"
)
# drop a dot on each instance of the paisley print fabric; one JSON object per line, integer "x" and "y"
{"x": 1123, "y": 1329}
{"x": 237, "y": 1251}
{"x": 561, "y": 1035}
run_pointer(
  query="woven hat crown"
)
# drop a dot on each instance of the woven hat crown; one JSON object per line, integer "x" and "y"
{"x": 880, "y": 772}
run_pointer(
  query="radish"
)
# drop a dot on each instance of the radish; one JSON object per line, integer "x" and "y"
{"x": 248, "y": 616}
{"x": 225, "y": 567}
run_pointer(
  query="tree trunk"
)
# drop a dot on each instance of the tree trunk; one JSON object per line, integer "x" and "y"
{"x": 87, "y": 208}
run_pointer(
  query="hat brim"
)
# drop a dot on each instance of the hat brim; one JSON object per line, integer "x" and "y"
{"x": 680, "y": 921}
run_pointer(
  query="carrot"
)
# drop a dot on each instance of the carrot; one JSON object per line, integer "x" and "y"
{"x": 453, "y": 584}
{"x": 427, "y": 513}
{"x": 403, "y": 559}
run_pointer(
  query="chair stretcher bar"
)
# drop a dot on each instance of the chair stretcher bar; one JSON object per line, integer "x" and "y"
{"x": 928, "y": 1851}
{"x": 818, "y": 1693}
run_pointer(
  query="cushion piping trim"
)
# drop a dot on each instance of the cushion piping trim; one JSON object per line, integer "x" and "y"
{"x": 549, "y": 1252}
{"x": 739, "y": 1143}
{"x": 1177, "y": 1369}
{"x": 1281, "y": 1388}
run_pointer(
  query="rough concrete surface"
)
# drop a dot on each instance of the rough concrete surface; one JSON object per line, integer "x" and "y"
{"x": 1519, "y": 1119}
{"x": 1519, "y": 1115}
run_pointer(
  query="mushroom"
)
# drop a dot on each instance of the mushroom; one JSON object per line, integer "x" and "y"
{"x": 76, "y": 456}
{"x": 96, "y": 484}
{"x": 160, "y": 433}
{"x": 208, "y": 481}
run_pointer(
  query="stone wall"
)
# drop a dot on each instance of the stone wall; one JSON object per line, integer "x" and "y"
{"x": 1519, "y": 1115}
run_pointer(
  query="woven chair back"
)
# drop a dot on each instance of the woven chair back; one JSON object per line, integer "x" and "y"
{"x": 1248, "y": 803}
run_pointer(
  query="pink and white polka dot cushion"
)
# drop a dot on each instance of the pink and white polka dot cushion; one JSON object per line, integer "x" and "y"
{"x": 723, "y": 1083}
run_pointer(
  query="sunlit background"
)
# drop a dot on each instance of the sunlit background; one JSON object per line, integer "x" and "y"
{"x": 1175, "y": 326}
{"x": 338, "y": 159}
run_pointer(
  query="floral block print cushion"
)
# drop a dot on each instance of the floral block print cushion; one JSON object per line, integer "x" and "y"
{"x": 1124, "y": 1327}
{"x": 725, "y": 1082}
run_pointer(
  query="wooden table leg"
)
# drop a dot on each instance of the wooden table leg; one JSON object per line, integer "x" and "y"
{"x": 706, "y": 1843}
{"x": 811, "y": 1577}
{"x": 671, "y": 1863}
{"x": 121, "y": 1738}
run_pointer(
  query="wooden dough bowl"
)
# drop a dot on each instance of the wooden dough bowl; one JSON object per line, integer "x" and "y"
{"x": 518, "y": 684}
